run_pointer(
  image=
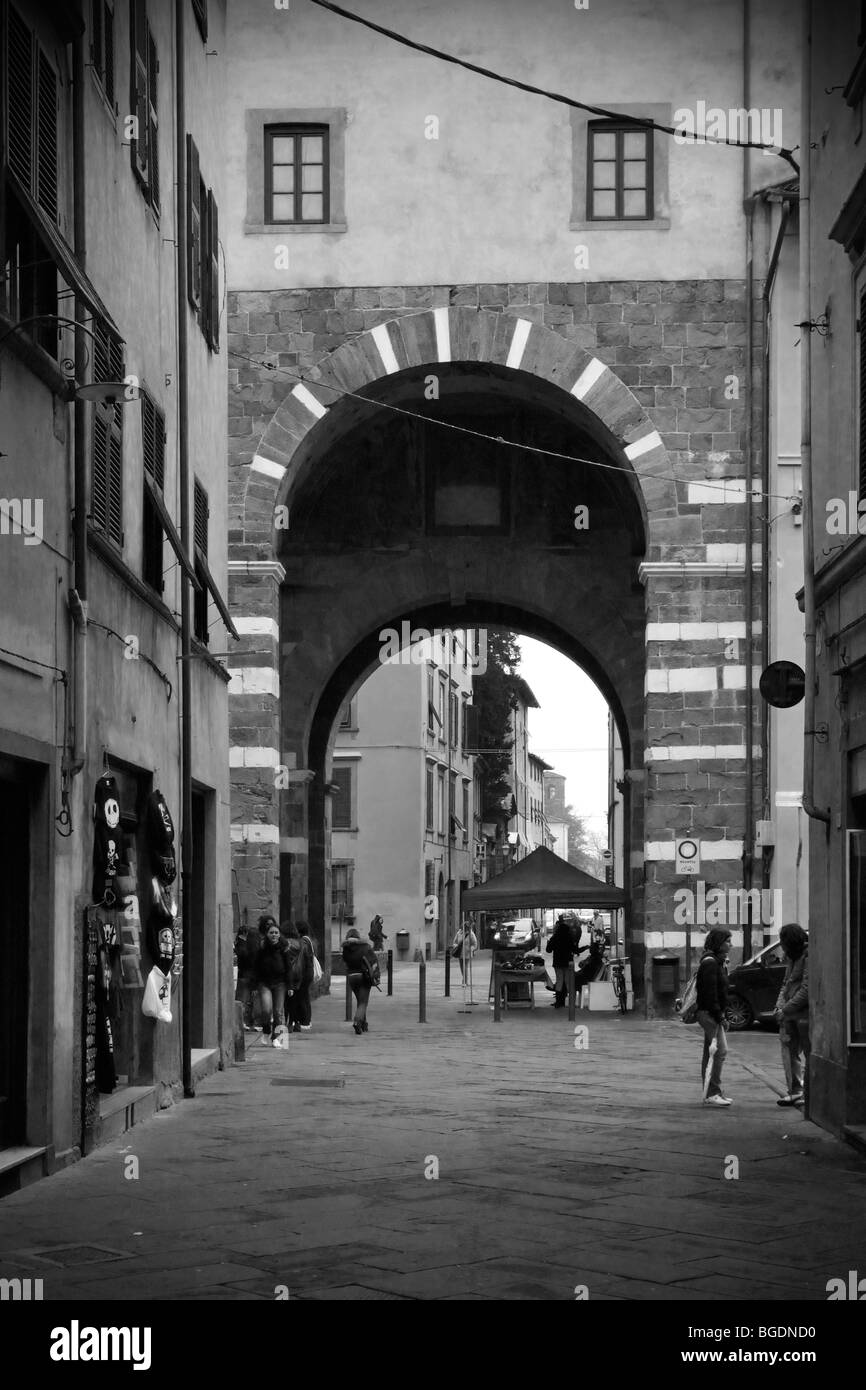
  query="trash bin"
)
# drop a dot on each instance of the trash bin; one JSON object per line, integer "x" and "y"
{"x": 666, "y": 973}
{"x": 402, "y": 942}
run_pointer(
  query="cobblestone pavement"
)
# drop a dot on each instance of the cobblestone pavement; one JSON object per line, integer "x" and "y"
{"x": 557, "y": 1167}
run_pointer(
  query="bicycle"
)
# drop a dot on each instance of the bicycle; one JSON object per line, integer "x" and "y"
{"x": 617, "y": 979}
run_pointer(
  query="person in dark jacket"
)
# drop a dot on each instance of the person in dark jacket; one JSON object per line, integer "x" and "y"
{"x": 301, "y": 953}
{"x": 272, "y": 973}
{"x": 246, "y": 951}
{"x": 378, "y": 935}
{"x": 792, "y": 1013}
{"x": 563, "y": 945}
{"x": 712, "y": 1000}
{"x": 354, "y": 952}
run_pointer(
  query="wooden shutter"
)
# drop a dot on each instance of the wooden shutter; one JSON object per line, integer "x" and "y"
{"x": 213, "y": 273}
{"x": 350, "y": 889}
{"x": 108, "y": 50}
{"x": 152, "y": 120}
{"x": 200, "y": 11}
{"x": 201, "y": 512}
{"x": 153, "y": 440}
{"x": 106, "y": 487}
{"x": 341, "y": 818}
{"x": 99, "y": 475}
{"x": 97, "y": 37}
{"x": 862, "y": 384}
{"x": 193, "y": 225}
{"x": 21, "y": 119}
{"x": 138, "y": 88}
{"x": 46, "y": 137}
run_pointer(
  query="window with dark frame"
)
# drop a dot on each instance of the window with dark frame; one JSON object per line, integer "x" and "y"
{"x": 347, "y": 718}
{"x": 102, "y": 46}
{"x": 341, "y": 801}
{"x": 144, "y": 71}
{"x": 29, "y": 286}
{"x": 429, "y": 878}
{"x": 153, "y": 455}
{"x": 465, "y": 812}
{"x": 619, "y": 185}
{"x": 201, "y": 513}
{"x": 296, "y": 174}
{"x": 429, "y": 807}
{"x": 106, "y": 477}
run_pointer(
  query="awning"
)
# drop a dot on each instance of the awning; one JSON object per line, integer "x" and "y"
{"x": 542, "y": 879}
{"x": 215, "y": 593}
{"x": 170, "y": 530}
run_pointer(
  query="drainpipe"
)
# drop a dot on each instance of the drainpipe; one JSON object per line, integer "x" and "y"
{"x": 180, "y": 233}
{"x": 748, "y": 206}
{"x": 77, "y": 599}
{"x": 815, "y": 812}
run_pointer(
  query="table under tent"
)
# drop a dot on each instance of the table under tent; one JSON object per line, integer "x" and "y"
{"x": 541, "y": 880}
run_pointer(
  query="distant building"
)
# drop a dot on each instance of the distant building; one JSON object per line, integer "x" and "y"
{"x": 540, "y": 833}
{"x": 554, "y": 810}
{"x": 402, "y": 816}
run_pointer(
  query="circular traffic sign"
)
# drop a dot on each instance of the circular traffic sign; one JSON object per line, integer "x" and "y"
{"x": 687, "y": 849}
{"x": 783, "y": 684}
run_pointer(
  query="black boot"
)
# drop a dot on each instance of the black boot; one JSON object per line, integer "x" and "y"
{"x": 560, "y": 999}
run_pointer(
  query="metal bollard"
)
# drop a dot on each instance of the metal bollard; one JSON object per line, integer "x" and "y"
{"x": 422, "y": 991}
{"x": 571, "y": 991}
{"x": 447, "y": 974}
{"x": 390, "y": 972}
{"x": 349, "y": 1001}
{"x": 497, "y": 996}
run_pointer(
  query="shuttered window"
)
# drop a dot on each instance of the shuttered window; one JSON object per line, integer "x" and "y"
{"x": 201, "y": 513}
{"x": 31, "y": 114}
{"x": 861, "y": 329}
{"x": 199, "y": 9}
{"x": 429, "y": 879}
{"x": 144, "y": 72}
{"x": 106, "y": 479}
{"x": 342, "y": 889}
{"x": 202, "y": 251}
{"x": 153, "y": 454}
{"x": 428, "y": 821}
{"x": 341, "y": 801}
{"x": 102, "y": 46}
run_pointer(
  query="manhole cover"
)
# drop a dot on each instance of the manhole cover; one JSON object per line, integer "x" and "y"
{"x": 299, "y": 1081}
{"x": 78, "y": 1254}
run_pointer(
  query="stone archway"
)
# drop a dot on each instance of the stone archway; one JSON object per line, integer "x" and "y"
{"x": 302, "y": 417}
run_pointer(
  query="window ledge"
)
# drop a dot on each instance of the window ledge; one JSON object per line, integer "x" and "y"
{"x": 110, "y": 110}
{"x": 278, "y": 228}
{"x": 650, "y": 224}
{"x": 106, "y": 552}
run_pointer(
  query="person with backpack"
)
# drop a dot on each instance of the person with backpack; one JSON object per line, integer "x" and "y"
{"x": 362, "y": 969}
{"x": 301, "y": 971}
{"x": 712, "y": 1000}
{"x": 792, "y": 1013}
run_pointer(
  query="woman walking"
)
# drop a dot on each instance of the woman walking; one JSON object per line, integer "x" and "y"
{"x": 272, "y": 972}
{"x": 563, "y": 945}
{"x": 792, "y": 1013}
{"x": 712, "y": 1000}
{"x": 362, "y": 969}
{"x": 300, "y": 1009}
{"x": 246, "y": 952}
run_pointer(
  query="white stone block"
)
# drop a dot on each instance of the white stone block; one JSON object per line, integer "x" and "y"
{"x": 693, "y": 678}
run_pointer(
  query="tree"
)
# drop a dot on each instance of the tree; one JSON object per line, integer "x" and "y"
{"x": 494, "y": 699}
{"x": 582, "y": 847}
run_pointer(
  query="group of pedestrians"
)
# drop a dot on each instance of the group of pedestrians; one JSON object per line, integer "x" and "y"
{"x": 281, "y": 967}
{"x": 791, "y": 1014}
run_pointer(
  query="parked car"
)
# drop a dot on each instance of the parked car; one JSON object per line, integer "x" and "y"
{"x": 754, "y": 988}
{"x": 520, "y": 933}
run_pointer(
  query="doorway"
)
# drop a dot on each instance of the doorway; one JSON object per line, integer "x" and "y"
{"x": 14, "y": 958}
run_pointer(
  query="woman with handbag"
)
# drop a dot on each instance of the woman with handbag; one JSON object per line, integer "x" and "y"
{"x": 464, "y": 945}
{"x": 362, "y": 969}
{"x": 300, "y": 1008}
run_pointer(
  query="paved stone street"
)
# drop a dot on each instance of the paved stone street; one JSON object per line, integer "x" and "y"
{"x": 557, "y": 1167}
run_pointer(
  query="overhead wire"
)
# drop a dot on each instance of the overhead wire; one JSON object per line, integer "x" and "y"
{"x": 340, "y": 391}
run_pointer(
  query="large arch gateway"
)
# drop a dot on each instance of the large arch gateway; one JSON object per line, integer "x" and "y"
{"x": 351, "y": 513}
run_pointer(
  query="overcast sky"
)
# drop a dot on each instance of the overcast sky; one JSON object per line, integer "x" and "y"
{"x": 570, "y": 728}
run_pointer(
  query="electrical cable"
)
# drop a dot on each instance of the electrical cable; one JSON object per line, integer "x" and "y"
{"x": 141, "y": 656}
{"x": 779, "y": 150}
{"x": 33, "y": 662}
{"x": 490, "y": 438}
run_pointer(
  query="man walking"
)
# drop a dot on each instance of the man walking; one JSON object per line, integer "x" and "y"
{"x": 712, "y": 987}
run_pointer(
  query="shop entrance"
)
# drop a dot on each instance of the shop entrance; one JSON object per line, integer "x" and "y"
{"x": 14, "y": 955}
